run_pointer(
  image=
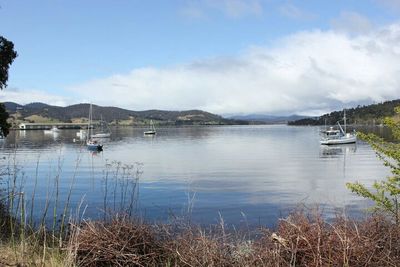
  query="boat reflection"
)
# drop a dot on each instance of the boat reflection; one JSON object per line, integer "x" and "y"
{"x": 335, "y": 151}
{"x": 95, "y": 153}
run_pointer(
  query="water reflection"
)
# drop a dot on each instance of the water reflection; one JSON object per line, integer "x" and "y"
{"x": 335, "y": 151}
{"x": 258, "y": 170}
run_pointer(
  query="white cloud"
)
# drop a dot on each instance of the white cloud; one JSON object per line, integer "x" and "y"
{"x": 291, "y": 11}
{"x": 28, "y": 96}
{"x": 302, "y": 73}
{"x": 352, "y": 22}
{"x": 309, "y": 72}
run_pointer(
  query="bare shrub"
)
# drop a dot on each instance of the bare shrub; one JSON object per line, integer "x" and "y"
{"x": 310, "y": 241}
{"x": 120, "y": 242}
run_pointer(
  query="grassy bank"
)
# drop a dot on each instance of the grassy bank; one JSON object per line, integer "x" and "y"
{"x": 299, "y": 240}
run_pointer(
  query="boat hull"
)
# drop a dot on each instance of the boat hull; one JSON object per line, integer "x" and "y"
{"x": 339, "y": 141}
{"x": 95, "y": 147}
{"x": 149, "y": 132}
{"x": 101, "y": 135}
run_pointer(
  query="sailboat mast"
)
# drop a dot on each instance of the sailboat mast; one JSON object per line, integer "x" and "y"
{"x": 344, "y": 118}
{"x": 90, "y": 121}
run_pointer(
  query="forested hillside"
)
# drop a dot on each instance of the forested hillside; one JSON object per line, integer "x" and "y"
{"x": 370, "y": 114}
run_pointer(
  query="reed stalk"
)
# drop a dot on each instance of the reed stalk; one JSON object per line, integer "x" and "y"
{"x": 31, "y": 223}
{"x": 67, "y": 202}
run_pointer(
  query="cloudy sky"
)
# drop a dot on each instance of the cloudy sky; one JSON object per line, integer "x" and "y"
{"x": 223, "y": 56}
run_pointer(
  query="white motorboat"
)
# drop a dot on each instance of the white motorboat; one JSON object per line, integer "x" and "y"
{"x": 53, "y": 130}
{"x": 338, "y": 136}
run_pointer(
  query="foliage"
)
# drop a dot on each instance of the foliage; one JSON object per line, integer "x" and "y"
{"x": 386, "y": 193}
{"x": 358, "y": 115}
{"x": 4, "y": 125}
{"x": 7, "y": 56}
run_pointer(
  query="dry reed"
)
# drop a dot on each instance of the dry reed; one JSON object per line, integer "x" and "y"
{"x": 299, "y": 240}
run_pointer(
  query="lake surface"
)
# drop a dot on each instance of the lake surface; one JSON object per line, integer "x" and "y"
{"x": 244, "y": 174}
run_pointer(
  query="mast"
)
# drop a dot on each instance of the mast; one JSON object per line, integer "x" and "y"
{"x": 89, "y": 123}
{"x": 344, "y": 118}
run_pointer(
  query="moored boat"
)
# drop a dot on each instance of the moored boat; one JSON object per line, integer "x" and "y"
{"x": 104, "y": 131}
{"x": 152, "y": 130}
{"x": 53, "y": 130}
{"x": 338, "y": 136}
{"x": 92, "y": 144}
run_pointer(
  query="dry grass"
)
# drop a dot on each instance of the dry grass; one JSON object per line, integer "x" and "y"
{"x": 195, "y": 248}
{"x": 26, "y": 255}
{"x": 300, "y": 240}
{"x": 40, "y": 119}
{"x": 305, "y": 241}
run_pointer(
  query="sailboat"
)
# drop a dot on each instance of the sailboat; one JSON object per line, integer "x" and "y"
{"x": 338, "y": 136}
{"x": 152, "y": 130}
{"x": 104, "y": 132}
{"x": 90, "y": 142}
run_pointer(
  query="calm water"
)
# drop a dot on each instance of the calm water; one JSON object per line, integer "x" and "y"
{"x": 252, "y": 174}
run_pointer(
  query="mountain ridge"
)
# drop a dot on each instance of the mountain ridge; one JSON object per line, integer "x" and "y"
{"x": 39, "y": 112}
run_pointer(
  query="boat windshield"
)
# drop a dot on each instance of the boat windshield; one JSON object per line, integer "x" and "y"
{"x": 330, "y": 133}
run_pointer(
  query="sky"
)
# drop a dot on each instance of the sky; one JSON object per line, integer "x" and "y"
{"x": 223, "y": 56}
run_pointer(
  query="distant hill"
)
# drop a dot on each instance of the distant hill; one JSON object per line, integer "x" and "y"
{"x": 267, "y": 118}
{"x": 40, "y": 112}
{"x": 36, "y": 105}
{"x": 363, "y": 115}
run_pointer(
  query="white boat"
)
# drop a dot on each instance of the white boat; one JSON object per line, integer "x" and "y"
{"x": 104, "y": 131}
{"x": 91, "y": 143}
{"x": 53, "y": 130}
{"x": 101, "y": 135}
{"x": 152, "y": 130}
{"x": 338, "y": 136}
{"x": 81, "y": 134}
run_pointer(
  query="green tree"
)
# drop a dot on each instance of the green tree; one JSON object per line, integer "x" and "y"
{"x": 385, "y": 193}
{"x": 7, "y": 56}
